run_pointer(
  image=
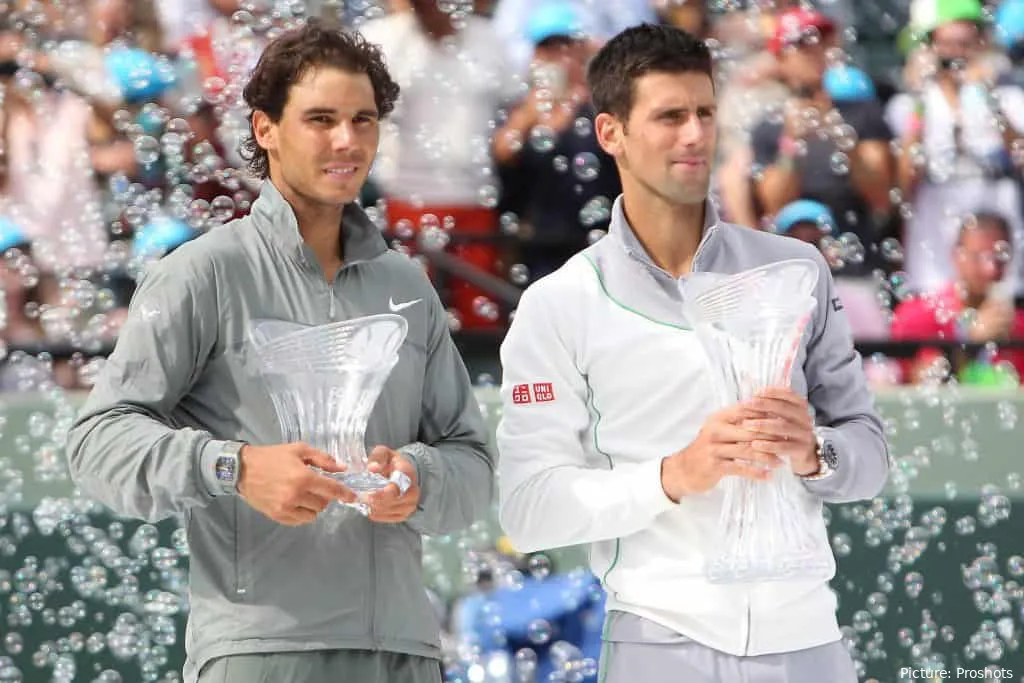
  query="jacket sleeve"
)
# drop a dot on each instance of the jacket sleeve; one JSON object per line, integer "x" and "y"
{"x": 124, "y": 449}
{"x": 454, "y": 458}
{"x": 550, "y": 496}
{"x": 843, "y": 403}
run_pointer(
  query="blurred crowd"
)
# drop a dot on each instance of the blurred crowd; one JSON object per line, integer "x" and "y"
{"x": 121, "y": 121}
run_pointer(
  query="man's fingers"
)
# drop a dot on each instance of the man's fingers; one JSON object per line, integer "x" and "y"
{"x": 777, "y": 448}
{"x": 381, "y": 461}
{"x": 726, "y": 433}
{"x": 735, "y": 414}
{"x": 312, "y": 456}
{"x": 324, "y": 486}
{"x": 769, "y": 427}
{"x": 398, "y": 512}
{"x": 741, "y": 469}
{"x": 385, "y": 495}
{"x": 744, "y": 452}
{"x": 784, "y": 394}
{"x": 776, "y": 407}
{"x": 296, "y": 517}
{"x": 312, "y": 502}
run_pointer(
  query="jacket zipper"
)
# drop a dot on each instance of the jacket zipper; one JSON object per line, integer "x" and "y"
{"x": 373, "y": 589}
{"x": 746, "y": 635}
{"x": 700, "y": 248}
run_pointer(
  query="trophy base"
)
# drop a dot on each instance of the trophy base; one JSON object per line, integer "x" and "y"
{"x": 363, "y": 482}
{"x": 780, "y": 568}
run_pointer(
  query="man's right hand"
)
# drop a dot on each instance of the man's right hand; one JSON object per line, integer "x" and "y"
{"x": 722, "y": 448}
{"x": 278, "y": 482}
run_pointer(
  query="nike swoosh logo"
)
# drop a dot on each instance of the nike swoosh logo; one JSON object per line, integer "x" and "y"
{"x": 395, "y": 308}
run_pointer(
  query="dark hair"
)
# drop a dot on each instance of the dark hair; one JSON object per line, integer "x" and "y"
{"x": 290, "y": 56}
{"x": 638, "y": 51}
{"x": 986, "y": 219}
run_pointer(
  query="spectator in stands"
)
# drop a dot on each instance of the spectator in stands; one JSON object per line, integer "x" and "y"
{"x": 749, "y": 86}
{"x": 958, "y": 138}
{"x": 555, "y": 177}
{"x": 833, "y": 151}
{"x": 47, "y": 187}
{"x": 693, "y": 16}
{"x": 1009, "y": 35}
{"x": 975, "y": 306}
{"x": 435, "y": 169}
{"x": 812, "y": 222}
{"x": 19, "y": 280}
{"x": 600, "y": 21}
{"x": 182, "y": 20}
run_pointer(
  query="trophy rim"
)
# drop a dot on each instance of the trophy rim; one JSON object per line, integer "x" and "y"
{"x": 293, "y": 338}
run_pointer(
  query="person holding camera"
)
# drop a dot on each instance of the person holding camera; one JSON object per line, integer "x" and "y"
{"x": 957, "y": 133}
{"x": 555, "y": 176}
{"x": 834, "y": 152}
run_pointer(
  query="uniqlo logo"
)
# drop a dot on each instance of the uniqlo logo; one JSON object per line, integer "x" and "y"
{"x": 521, "y": 393}
{"x": 543, "y": 392}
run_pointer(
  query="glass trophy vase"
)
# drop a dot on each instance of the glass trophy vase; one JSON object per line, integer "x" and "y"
{"x": 750, "y": 325}
{"x": 324, "y": 381}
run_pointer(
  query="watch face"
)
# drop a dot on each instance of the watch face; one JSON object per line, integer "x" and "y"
{"x": 828, "y": 454}
{"x": 225, "y": 469}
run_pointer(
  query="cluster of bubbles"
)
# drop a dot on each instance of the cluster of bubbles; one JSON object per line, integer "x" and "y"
{"x": 88, "y": 597}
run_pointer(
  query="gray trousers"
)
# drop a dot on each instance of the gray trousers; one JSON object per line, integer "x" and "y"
{"x": 322, "y": 666}
{"x": 637, "y": 649}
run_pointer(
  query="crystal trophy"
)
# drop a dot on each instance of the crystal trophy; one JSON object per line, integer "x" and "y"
{"x": 324, "y": 380}
{"x": 750, "y": 325}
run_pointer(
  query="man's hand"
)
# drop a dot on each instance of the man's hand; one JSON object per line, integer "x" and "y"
{"x": 722, "y": 448}
{"x": 390, "y": 504}
{"x": 783, "y": 427}
{"x": 278, "y": 482}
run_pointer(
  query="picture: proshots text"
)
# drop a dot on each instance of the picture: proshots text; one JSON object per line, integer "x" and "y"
{"x": 958, "y": 674}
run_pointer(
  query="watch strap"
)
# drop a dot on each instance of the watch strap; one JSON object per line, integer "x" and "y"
{"x": 827, "y": 458}
{"x": 228, "y": 466}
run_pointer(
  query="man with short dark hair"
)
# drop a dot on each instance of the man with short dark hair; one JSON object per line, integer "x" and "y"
{"x": 608, "y": 435}
{"x": 179, "y": 424}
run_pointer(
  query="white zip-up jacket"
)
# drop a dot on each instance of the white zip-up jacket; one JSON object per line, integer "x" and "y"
{"x": 602, "y": 379}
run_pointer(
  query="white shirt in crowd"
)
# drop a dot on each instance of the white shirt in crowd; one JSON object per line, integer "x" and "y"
{"x": 435, "y": 147}
{"x": 956, "y": 144}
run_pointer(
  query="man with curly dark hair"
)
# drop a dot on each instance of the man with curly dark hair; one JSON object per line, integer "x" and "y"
{"x": 179, "y": 424}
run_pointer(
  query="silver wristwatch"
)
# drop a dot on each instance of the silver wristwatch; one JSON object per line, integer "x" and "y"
{"x": 228, "y": 466}
{"x": 828, "y": 460}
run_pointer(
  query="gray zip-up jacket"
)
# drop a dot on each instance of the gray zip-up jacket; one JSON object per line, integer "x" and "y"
{"x": 178, "y": 385}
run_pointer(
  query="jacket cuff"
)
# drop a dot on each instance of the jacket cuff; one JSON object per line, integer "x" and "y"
{"x": 644, "y": 484}
{"x": 422, "y": 458}
{"x": 837, "y": 483}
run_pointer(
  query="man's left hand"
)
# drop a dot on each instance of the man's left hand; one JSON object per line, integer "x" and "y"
{"x": 390, "y": 504}
{"x": 783, "y": 422}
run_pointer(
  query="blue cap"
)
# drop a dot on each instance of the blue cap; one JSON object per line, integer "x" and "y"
{"x": 848, "y": 84}
{"x": 804, "y": 211}
{"x": 141, "y": 75}
{"x": 11, "y": 235}
{"x": 553, "y": 19}
{"x": 1009, "y": 23}
{"x": 161, "y": 235}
